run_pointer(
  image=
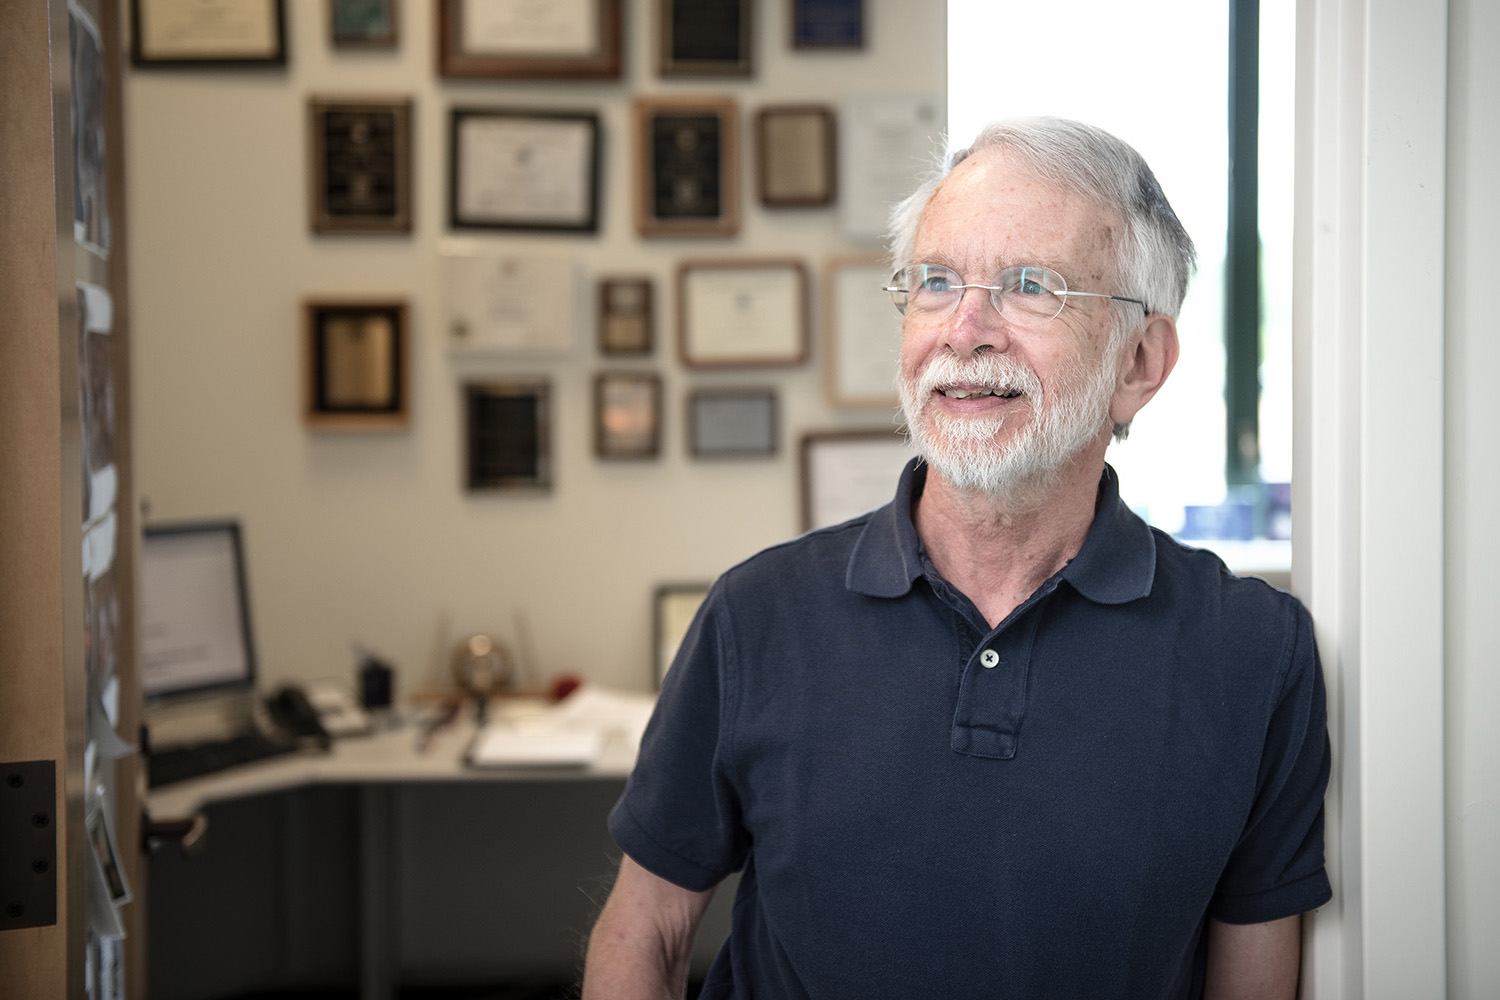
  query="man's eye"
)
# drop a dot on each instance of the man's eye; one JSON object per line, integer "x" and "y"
{"x": 935, "y": 283}
{"x": 1031, "y": 287}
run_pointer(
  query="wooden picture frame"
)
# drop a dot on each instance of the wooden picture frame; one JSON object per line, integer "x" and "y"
{"x": 861, "y": 333}
{"x": 627, "y": 415}
{"x": 364, "y": 24}
{"x": 686, "y": 166}
{"x": 359, "y": 164}
{"x": 207, "y": 33}
{"x": 705, "y": 37}
{"x": 356, "y": 364}
{"x": 732, "y": 423}
{"x": 508, "y": 427}
{"x": 827, "y": 24}
{"x": 847, "y": 472}
{"x": 626, "y": 324}
{"x": 523, "y": 169}
{"x": 673, "y": 608}
{"x": 517, "y": 39}
{"x": 742, "y": 313}
{"x": 796, "y": 155}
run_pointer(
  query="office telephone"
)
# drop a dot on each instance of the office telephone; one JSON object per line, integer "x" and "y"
{"x": 318, "y": 712}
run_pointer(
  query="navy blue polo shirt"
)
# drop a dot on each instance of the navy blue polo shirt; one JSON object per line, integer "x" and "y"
{"x": 924, "y": 806}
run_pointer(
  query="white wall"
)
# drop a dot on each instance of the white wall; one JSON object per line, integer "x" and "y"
{"x": 370, "y": 537}
{"x": 1472, "y": 543}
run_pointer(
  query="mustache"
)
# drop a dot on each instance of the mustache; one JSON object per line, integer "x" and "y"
{"x": 999, "y": 373}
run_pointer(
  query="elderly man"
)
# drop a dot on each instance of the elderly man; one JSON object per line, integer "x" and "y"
{"x": 999, "y": 737}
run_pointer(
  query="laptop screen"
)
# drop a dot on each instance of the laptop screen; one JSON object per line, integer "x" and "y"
{"x": 195, "y": 614}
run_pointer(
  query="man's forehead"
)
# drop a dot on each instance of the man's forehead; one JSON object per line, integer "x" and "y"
{"x": 992, "y": 212}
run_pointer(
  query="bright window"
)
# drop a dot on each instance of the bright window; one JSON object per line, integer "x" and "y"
{"x": 1156, "y": 73}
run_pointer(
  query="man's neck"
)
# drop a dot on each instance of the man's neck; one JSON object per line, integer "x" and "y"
{"x": 999, "y": 550}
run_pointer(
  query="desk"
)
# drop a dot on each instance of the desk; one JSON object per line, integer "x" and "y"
{"x": 388, "y": 863}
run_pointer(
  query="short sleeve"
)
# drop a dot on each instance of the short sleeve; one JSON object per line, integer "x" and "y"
{"x": 679, "y": 816}
{"x": 1277, "y": 868}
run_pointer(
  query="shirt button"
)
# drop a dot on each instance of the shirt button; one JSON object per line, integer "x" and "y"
{"x": 989, "y": 658}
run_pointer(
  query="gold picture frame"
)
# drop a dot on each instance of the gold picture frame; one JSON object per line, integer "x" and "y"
{"x": 686, "y": 166}
{"x": 360, "y": 164}
{"x": 355, "y": 369}
{"x": 517, "y": 39}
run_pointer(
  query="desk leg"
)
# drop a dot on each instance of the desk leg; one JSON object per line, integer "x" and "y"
{"x": 377, "y": 876}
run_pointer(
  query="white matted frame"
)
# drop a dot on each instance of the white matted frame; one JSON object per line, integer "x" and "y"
{"x": 745, "y": 313}
{"x": 861, "y": 333}
{"x": 848, "y": 472}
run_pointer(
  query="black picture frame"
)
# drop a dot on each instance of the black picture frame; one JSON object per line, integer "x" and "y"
{"x": 705, "y": 38}
{"x": 508, "y": 435}
{"x": 360, "y": 165}
{"x": 364, "y": 24}
{"x": 356, "y": 373}
{"x": 206, "y": 50}
{"x": 687, "y": 166}
{"x": 827, "y": 24}
{"x": 528, "y": 169}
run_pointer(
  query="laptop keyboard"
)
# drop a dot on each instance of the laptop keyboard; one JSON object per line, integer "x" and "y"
{"x": 180, "y": 763}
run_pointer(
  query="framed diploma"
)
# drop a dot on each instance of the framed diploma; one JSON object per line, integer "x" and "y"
{"x": 536, "y": 170}
{"x": 673, "y": 607}
{"x": 207, "y": 33}
{"x": 627, "y": 415}
{"x": 742, "y": 313}
{"x": 360, "y": 165}
{"x": 363, "y": 24}
{"x": 508, "y": 427}
{"x": 687, "y": 157}
{"x": 510, "y": 303}
{"x": 355, "y": 371}
{"x": 862, "y": 333}
{"x": 558, "y": 39}
{"x": 625, "y": 316}
{"x": 732, "y": 423}
{"x": 845, "y": 473}
{"x": 828, "y": 24}
{"x": 704, "y": 37}
{"x": 794, "y": 155}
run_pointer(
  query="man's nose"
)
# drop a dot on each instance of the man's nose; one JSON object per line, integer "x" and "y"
{"x": 976, "y": 323}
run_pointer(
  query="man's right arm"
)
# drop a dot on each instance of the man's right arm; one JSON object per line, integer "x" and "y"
{"x": 642, "y": 942}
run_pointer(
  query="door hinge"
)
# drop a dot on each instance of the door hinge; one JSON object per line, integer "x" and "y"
{"x": 28, "y": 844}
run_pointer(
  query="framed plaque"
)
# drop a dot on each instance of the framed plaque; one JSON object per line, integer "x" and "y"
{"x": 355, "y": 370}
{"x": 363, "y": 24}
{"x": 794, "y": 155}
{"x": 845, "y": 473}
{"x": 532, "y": 170}
{"x": 862, "y": 333}
{"x": 627, "y": 415}
{"x": 732, "y": 423}
{"x": 625, "y": 316}
{"x": 207, "y": 33}
{"x": 673, "y": 607}
{"x": 508, "y": 428}
{"x": 360, "y": 165}
{"x": 687, "y": 159}
{"x": 558, "y": 39}
{"x": 742, "y": 313}
{"x": 828, "y": 24}
{"x": 705, "y": 37}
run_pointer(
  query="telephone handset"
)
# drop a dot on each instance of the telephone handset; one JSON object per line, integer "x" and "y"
{"x": 319, "y": 712}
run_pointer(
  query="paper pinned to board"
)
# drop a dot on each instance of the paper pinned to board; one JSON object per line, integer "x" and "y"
{"x": 572, "y": 733}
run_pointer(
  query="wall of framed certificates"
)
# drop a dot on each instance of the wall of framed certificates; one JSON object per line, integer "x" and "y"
{"x": 493, "y": 317}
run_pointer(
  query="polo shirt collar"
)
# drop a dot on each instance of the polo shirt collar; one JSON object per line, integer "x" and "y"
{"x": 1116, "y": 563}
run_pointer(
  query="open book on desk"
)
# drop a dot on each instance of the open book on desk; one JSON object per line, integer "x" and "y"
{"x": 573, "y": 733}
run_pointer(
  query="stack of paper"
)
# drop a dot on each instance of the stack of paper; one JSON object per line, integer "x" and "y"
{"x": 572, "y": 733}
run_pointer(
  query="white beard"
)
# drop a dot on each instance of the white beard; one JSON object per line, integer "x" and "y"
{"x": 965, "y": 450}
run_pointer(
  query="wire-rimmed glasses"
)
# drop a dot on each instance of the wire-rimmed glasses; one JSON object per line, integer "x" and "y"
{"x": 1026, "y": 294}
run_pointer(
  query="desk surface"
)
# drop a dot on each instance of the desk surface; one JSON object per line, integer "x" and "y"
{"x": 388, "y": 756}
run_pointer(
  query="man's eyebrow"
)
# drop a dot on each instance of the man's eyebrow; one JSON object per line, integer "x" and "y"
{"x": 1030, "y": 260}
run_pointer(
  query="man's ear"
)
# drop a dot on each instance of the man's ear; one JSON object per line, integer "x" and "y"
{"x": 1149, "y": 358}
